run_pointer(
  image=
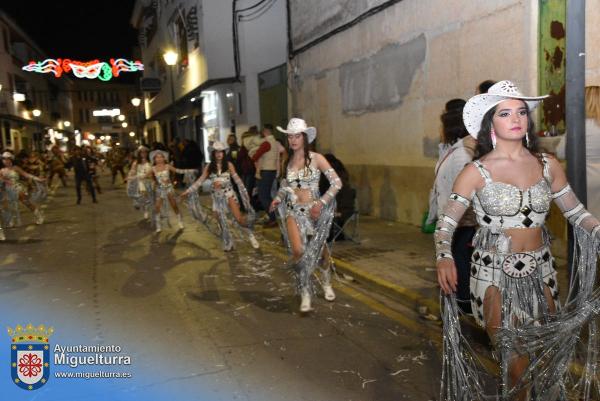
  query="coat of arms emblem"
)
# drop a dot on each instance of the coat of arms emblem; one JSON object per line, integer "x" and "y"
{"x": 30, "y": 355}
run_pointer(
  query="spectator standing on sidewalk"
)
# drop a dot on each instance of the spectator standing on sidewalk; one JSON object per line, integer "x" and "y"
{"x": 592, "y": 148}
{"x": 81, "y": 166}
{"x": 250, "y": 142}
{"x": 460, "y": 151}
{"x": 484, "y": 86}
{"x": 233, "y": 150}
{"x": 267, "y": 159}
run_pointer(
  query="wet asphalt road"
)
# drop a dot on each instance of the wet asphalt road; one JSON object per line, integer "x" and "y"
{"x": 223, "y": 323}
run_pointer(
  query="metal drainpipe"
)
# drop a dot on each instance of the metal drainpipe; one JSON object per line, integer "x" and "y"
{"x": 575, "y": 110}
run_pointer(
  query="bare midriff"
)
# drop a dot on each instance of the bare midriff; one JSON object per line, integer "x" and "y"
{"x": 304, "y": 195}
{"x": 525, "y": 239}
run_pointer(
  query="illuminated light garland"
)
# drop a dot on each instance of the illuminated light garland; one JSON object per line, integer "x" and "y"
{"x": 90, "y": 69}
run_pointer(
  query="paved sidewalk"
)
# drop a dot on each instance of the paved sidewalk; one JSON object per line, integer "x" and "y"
{"x": 398, "y": 260}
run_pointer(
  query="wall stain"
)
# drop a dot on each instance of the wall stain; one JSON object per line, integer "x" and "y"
{"x": 382, "y": 80}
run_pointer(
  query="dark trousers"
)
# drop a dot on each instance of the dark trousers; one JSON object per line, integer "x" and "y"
{"x": 462, "y": 249}
{"x": 264, "y": 190}
{"x": 249, "y": 181}
{"x": 88, "y": 182}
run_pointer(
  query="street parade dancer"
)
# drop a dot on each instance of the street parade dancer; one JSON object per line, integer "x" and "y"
{"x": 221, "y": 173}
{"x": 56, "y": 165}
{"x": 304, "y": 215}
{"x": 164, "y": 190}
{"x": 15, "y": 192}
{"x": 139, "y": 182}
{"x": 514, "y": 294}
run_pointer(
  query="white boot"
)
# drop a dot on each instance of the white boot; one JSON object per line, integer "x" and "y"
{"x": 253, "y": 241}
{"x": 305, "y": 300}
{"x": 329, "y": 294}
{"x": 158, "y": 227}
{"x": 326, "y": 284}
{"x": 39, "y": 217}
{"x": 180, "y": 221}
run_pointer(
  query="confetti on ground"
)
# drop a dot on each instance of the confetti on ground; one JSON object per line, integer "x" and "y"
{"x": 399, "y": 371}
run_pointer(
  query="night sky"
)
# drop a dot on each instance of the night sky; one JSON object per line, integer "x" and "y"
{"x": 76, "y": 29}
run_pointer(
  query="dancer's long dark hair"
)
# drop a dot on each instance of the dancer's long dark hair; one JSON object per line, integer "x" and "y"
{"x": 484, "y": 138}
{"x": 139, "y": 157}
{"x": 291, "y": 152}
{"x": 213, "y": 167}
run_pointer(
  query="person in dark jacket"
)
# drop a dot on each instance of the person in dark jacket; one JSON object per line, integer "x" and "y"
{"x": 345, "y": 198}
{"x": 81, "y": 167}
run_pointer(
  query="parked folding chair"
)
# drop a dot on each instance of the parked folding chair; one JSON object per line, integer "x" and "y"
{"x": 350, "y": 228}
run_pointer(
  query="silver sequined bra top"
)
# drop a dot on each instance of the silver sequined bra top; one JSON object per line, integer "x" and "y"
{"x": 163, "y": 177}
{"x": 11, "y": 176}
{"x": 499, "y": 205}
{"x": 305, "y": 178}
{"x": 223, "y": 177}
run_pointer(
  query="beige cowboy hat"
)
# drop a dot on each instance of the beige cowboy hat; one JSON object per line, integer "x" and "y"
{"x": 298, "y": 125}
{"x": 478, "y": 105}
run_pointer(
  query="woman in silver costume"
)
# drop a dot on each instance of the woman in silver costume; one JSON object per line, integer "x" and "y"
{"x": 15, "y": 192}
{"x": 304, "y": 215}
{"x": 139, "y": 182}
{"x": 224, "y": 200}
{"x": 514, "y": 293}
{"x": 164, "y": 190}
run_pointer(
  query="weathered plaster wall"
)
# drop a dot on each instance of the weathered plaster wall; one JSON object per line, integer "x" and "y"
{"x": 376, "y": 90}
{"x": 592, "y": 43}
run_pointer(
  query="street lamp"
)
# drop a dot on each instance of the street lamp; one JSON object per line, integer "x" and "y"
{"x": 124, "y": 124}
{"x": 131, "y": 134}
{"x": 67, "y": 124}
{"x": 170, "y": 58}
{"x": 136, "y": 101}
{"x": 36, "y": 112}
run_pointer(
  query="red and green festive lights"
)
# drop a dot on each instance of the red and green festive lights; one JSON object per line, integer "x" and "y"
{"x": 90, "y": 69}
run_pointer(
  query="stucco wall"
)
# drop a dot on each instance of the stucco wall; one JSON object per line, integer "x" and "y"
{"x": 592, "y": 44}
{"x": 263, "y": 45}
{"x": 382, "y": 118}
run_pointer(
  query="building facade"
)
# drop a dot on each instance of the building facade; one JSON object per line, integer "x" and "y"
{"x": 224, "y": 75}
{"x": 103, "y": 109}
{"x": 32, "y": 106}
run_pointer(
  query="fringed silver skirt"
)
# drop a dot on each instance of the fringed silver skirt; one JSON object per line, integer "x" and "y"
{"x": 528, "y": 272}
{"x": 141, "y": 192}
{"x": 313, "y": 234}
{"x": 550, "y": 341}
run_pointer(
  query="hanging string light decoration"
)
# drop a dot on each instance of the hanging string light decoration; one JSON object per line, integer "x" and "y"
{"x": 90, "y": 69}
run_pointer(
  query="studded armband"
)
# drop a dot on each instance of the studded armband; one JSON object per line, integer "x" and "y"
{"x": 335, "y": 184}
{"x": 575, "y": 212}
{"x": 447, "y": 223}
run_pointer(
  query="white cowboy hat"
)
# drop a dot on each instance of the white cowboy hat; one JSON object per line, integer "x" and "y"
{"x": 478, "y": 105}
{"x": 158, "y": 151}
{"x": 218, "y": 146}
{"x": 141, "y": 148}
{"x": 298, "y": 125}
{"x": 8, "y": 155}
